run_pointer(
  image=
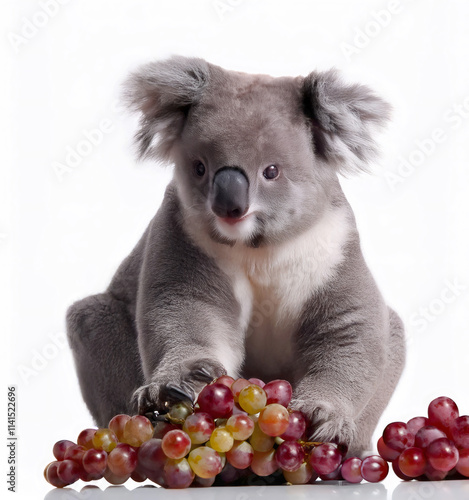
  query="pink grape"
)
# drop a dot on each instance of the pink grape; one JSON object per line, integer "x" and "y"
{"x": 289, "y": 455}
{"x": 296, "y": 426}
{"x": 69, "y": 471}
{"x": 351, "y": 470}
{"x": 95, "y": 461}
{"x": 273, "y": 419}
{"x": 374, "y": 469}
{"x": 435, "y": 475}
{"x": 441, "y": 412}
{"x": 459, "y": 431}
{"x": 387, "y": 453}
{"x": 335, "y": 475}
{"x": 397, "y": 437}
{"x": 151, "y": 460}
{"x": 427, "y": 435}
{"x": 240, "y": 426}
{"x": 85, "y": 438}
{"x": 225, "y": 380}
{"x": 278, "y": 391}
{"x": 237, "y": 386}
{"x": 176, "y": 444}
{"x": 325, "y": 458}
{"x": 398, "y": 472}
{"x": 122, "y": 460}
{"x": 178, "y": 473}
{"x": 117, "y": 425}
{"x": 442, "y": 454}
{"x": 137, "y": 430}
{"x": 257, "y": 381}
{"x": 216, "y": 400}
{"x": 416, "y": 423}
{"x": 52, "y": 477}
{"x": 261, "y": 441}
{"x": 114, "y": 478}
{"x": 75, "y": 453}
{"x": 237, "y": 410}
{"x": 302, "y": 475}
{"x": 199, "y": 427}
{"x": 60, "y": 447}
{"x": 463, "y": 463}
{"x": 412, "y": 462}
{"x": 240, "y": 455}
{"x": 264, "y": 463}
{"x": 205, "y": 462}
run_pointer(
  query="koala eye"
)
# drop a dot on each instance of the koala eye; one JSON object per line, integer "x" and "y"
{"x": 199, "y": 169}
{"x": 271, "y": 172}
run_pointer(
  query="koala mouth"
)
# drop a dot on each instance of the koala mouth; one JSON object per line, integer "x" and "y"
{"x": 233, "y": 221}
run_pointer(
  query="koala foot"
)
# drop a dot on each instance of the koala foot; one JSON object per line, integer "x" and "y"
{"x": 166, "y": 390}
{"x": 328, "y": 423}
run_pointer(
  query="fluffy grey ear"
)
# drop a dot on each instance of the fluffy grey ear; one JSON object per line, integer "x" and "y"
{"x": 163, "y": 92}
{"x": 343, "y": 118}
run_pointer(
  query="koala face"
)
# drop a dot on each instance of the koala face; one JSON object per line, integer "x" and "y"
{"x": 256, "y": 157}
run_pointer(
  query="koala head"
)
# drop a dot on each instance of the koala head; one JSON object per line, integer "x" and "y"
{"x": 256, "y": 157}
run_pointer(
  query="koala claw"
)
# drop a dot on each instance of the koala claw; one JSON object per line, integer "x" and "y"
{"x": 146, "y": 398}
{"x": 175, "y": 393}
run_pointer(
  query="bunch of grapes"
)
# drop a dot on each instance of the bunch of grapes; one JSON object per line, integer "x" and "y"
{"x": 433, "y": 447}
{"x": 238, "y": 429}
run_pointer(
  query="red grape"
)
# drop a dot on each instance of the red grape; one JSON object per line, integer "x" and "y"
{"x": 85, "y": 438}
{"x": 240, "y": 455}
{"x": 162, "y": 428}
{"x": 151, "y": 455}
{"x": 95, "y": 461}
{"x": 289, "y": 456}
{"x": 296, "y": 426}
{"x": 398, "y": 472}
{"x": 397, "y": 437}
{"x": 264, "y": 463}
{"x": 69, "y": 471}
{"x": 416, "y": 423}
{"x": 435, "y": 475}
{"x": 237, "y": 386}
{"x": 217, "y": 400}
{"x": 387, "y": 453}
{"x": 459, "y": 431}
{"x": 117, "y": 424}
{"x": 122, "y": 460}
{"x": 442, "y": 454}
{"x": 441, "y": 412}
{"x": 225, "y": 380}
{"x": 178, "y": 473}
{"x": 335, "y": 475}
{"x": 138, "y": 475}
{"x": 52, "y": 477}
{"x": 273, "y": 419}
{"x": 176, "y": 444}
{"x": 114, "y": 478}
{"x": 325, "y": 458}
{"x": 351, "y": 470}
{"x": 374, "y": 469}
{"x": 75, "y": 453}
{"x": 137, "y": 430}
{"x": 463, "y": 463}
{"x": 278, "y": 391}
{"x": 60, "y": 447}
{"x": 427, "y": 435}
{"x": 412, "y": 462}
{"x": 199, "y": 427}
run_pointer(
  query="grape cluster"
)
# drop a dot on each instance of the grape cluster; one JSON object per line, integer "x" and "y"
{"x": 236, "y": 429}
{"x": 433, "y": 447}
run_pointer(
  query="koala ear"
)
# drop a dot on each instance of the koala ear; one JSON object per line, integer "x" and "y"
{"x": 343, "y": 118}
{"x": 162, "y": 92}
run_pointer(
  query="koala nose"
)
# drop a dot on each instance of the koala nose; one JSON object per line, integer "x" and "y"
{"x": 230, "y": 193}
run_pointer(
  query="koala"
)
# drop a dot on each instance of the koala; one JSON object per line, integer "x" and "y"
{"x": 252, "y": 265}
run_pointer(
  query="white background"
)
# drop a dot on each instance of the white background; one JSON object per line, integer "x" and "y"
{"x": 62, "y": 238}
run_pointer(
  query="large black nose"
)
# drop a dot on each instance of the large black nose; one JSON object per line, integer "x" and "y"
{"x": 230, "y": 193}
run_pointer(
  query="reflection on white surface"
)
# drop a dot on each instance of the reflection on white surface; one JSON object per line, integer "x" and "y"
{"x": 429, "y": 490}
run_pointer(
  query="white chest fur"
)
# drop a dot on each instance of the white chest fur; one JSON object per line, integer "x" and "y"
{"x": 272, "y": 285}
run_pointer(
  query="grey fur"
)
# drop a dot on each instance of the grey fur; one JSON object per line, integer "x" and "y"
{"x": 173, "y": 315}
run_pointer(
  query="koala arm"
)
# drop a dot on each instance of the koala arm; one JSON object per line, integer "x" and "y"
{"x": 342, "y": 345}
{"x": 186, "y": 314}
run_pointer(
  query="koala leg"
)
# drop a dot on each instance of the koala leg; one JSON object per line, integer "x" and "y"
{"x": 368, "y": 418}
{"x": 103, "y": 339}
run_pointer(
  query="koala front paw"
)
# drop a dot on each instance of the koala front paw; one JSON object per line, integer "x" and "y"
{"x": 329, "y": 423}
{"x": 167, "y": 390}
